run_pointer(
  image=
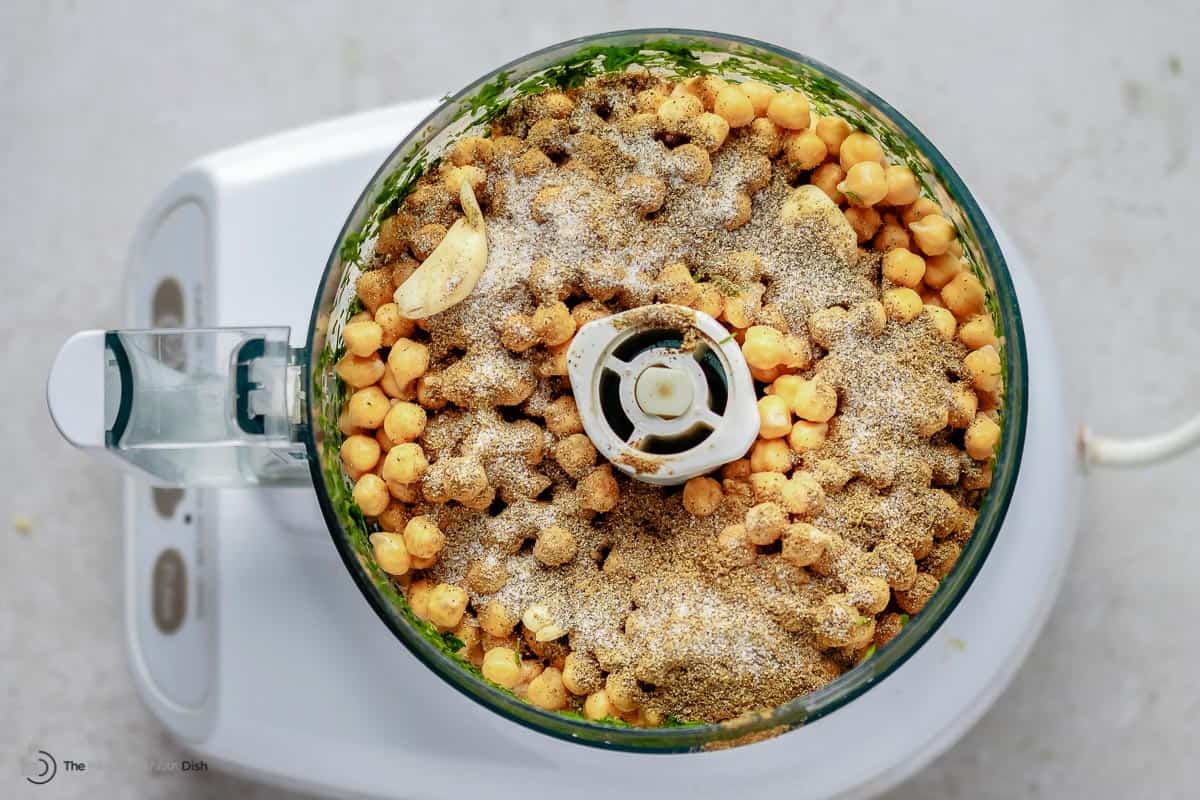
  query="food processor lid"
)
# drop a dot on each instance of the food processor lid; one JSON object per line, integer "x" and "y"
{"x": 664, "y": 392}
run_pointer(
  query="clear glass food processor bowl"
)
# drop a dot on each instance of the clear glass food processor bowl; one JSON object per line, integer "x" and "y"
{"x": 674, "y": 53}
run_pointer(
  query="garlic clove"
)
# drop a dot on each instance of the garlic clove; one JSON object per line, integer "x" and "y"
{"x": 454, "y": 267}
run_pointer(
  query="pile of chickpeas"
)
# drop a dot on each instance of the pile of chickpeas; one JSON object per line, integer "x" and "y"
{"x": 392, "y": 390}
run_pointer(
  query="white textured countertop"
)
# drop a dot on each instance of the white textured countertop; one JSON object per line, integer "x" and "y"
{"x": 1075, "y": 123}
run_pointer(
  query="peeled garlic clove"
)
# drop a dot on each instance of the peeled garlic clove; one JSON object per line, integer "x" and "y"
{"x": 810, "y": 208}
{"x": 452, "y": 269}
{"x": 549, "y": 633}
{"x": 536, "y": 617}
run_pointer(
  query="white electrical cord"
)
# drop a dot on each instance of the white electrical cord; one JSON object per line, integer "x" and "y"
{"x": 1112, "y": 452}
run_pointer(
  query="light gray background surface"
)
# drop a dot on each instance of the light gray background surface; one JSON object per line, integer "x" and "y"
{"x": 1074, "y": 121}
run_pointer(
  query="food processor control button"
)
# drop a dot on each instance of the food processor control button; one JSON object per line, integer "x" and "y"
{"x": 664, "y": 391}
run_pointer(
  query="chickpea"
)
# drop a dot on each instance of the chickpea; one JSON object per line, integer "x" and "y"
{"x": 429, "y": 392}
{"x": 835, "y": 622}
{"x": 371, "y": 494}
{"x": 902, "y": 304}
{"x": 408, "y": 360}
{"x": 759, "y": 95}
{"x": 964, "y": 295}
{"x": 404, "y": 422}
{"x": 447, "y": 603}
{"x": 858, "y": 147}
{"x": 598, "y": 707}
{"x": 675, "y": 285}
{"x": 770, "y": 455}
{"x": 978, "y": 331}
{"x": 496, "y": 621}
{"x": 359, "y": 372}
{"x": 678, "y": 109}
{"x": 802, "y": 494}
{"x": 387, "y": 382}
{"x": 981, "y": 438}
{"x": 940, "y": 270}
{"x": 789, "y": 109}
{"x": 983, "y": 365}
{"x": 517, "y": 333}
{"x": 763, "y": 347}
{"x": 733, "y": 548}
{"x": 575, "y": 454}
{"x": 363, "y": 338}
{"x": 645, "y": 193}
{"x": 765, "y": 523}
{"x": 832, "y": 131}
{"x": 813, "y": 400}
{"x": 692, "y": 163}
{"x": 394, "y": 517}
{"x": 933, "y": 234}
{"x": 902, "y": 186}
{"x": 701, "y": 496}
{"x": 932, "y": 419}
{"x": 471, "y": 150}
{"x": 869, "y": 594}
{"x": 734, "y": 106}
{"x": 903, "y": 267}
{"x": 865, "y": 222}
{"x": 767, "y": 487}
{"x": 742, "y": 210}
{"x": 827, "y": 178}
{"x": 806, "y": 435}
{"x": 405, "y": 492}
{"x": 418, "y": 598}
{"x": 919, "y": 209}
{"x": 540, "y": 208}
{"x": 426, "y": 239}
{"x": 623, "y": 691}
{"x": 736, "y": 470}
{"x": 804, "y": 150}
{"x": 774, "y": 417}
{"x": 891, "y": 235}
{"x": 648, "y": 101}
{"x": 389, "y": 552}
{"x": 741, "y": 309}
{"x": 532, "y": 162}
{"x": 367, "y": 408}
{"x": 556, "y": 105}
{"x": 553, "y": 323}
{"x": 588, "y": 311}
{"x": 423, "y": 538}
{"x": 964, "y": 403}
{"x": 943, "y": 321}
{"x": 374, "y": 288}
{"x": 803, "y": 544}
{"x": 562, "y": 417}
{"x": 765, "y": 137}
{"x": 502, "y": 665}
{"x": 864, "y": 184}
{"x": 405, "y": 463}
{"x": 914, "y": 599}
{"x": 598, "y": 490}
{"x": 709, "y": 131}
{"x": 555, "y": 546}
{"x": 360, "y": 453}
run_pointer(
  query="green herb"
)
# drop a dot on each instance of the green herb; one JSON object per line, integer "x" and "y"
{"x": 863, "y": 620}
{"x": 853, "y": 196}
{"x": 956, "y": 643}
{"x": 903, "y": 620}
{"x": 870, "y": 652}
{"x": 726, "y": 340}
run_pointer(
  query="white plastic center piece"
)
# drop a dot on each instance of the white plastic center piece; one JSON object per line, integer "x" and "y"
{"x": 664, "y": 391}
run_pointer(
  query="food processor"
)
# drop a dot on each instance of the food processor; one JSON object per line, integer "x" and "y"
{"x": 249, "y": 644}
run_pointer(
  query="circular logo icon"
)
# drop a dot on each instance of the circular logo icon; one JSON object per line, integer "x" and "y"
{"x": 44, "y": 768}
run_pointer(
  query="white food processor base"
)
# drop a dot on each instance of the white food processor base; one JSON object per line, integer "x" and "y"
{"x": 251, "y": 644}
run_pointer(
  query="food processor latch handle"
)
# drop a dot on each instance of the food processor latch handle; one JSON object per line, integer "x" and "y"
{"x": 200, "y": 407}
